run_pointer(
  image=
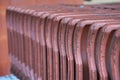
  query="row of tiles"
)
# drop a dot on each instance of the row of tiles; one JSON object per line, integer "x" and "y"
{"x": 64, "y": 42}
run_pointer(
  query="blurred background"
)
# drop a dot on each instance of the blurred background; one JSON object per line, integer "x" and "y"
{"x": 100, "y": 1}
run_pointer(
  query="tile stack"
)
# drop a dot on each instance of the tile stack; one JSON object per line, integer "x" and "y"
{"x": 64, "y": 42}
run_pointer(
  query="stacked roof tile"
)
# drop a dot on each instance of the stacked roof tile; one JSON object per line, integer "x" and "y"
{"x": 64, "y": 42}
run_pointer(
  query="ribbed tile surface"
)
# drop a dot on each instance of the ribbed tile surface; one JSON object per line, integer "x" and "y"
{"x": 64, "y": 42}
